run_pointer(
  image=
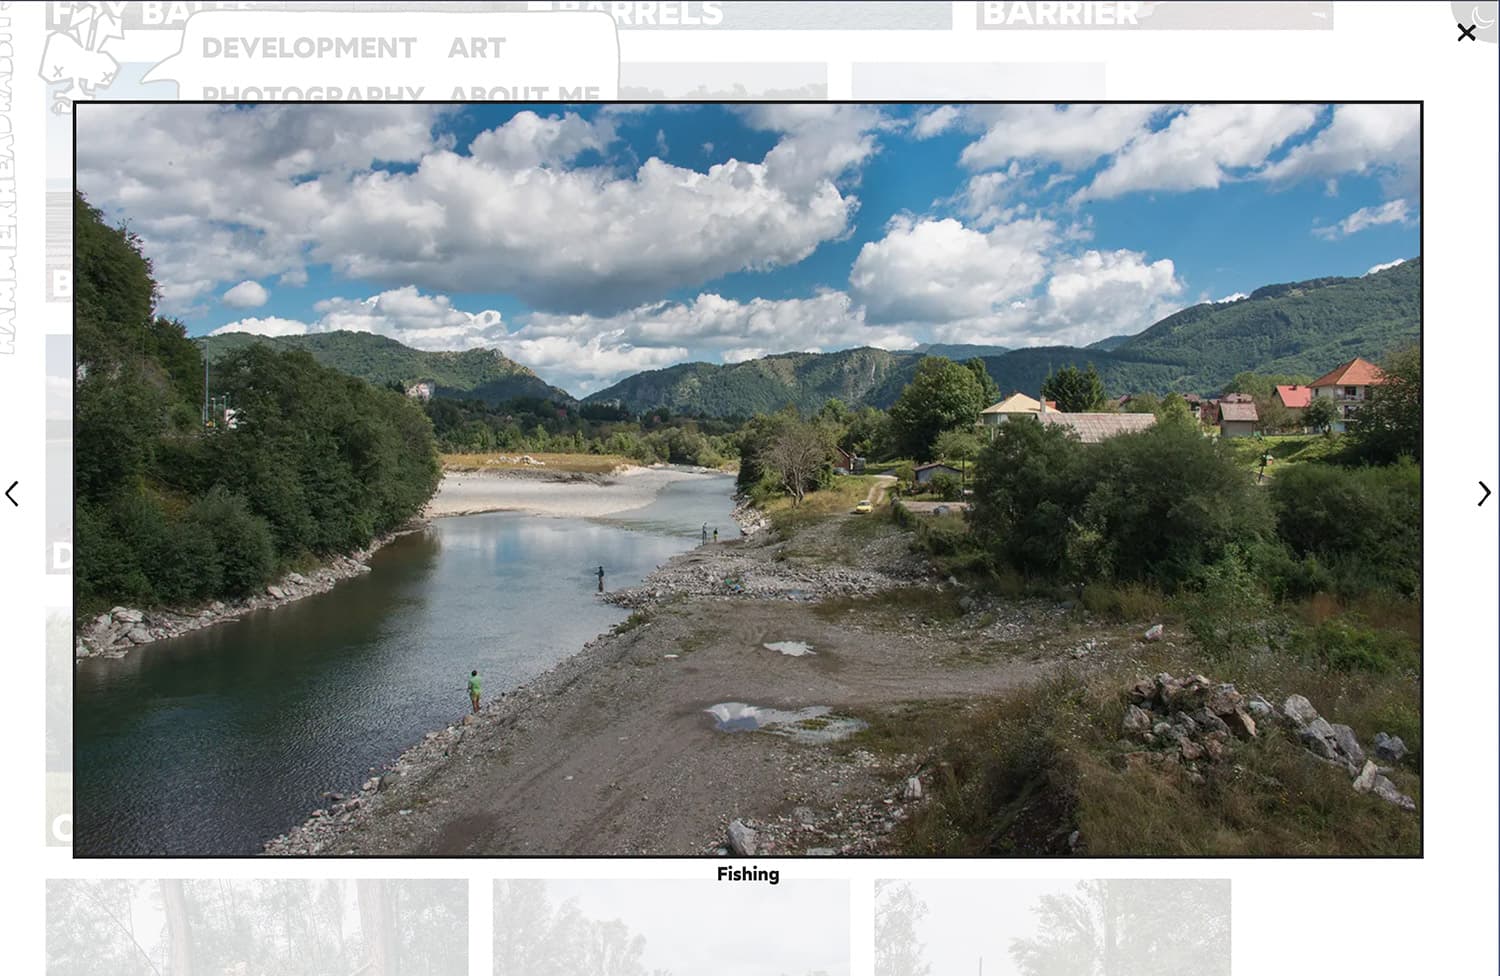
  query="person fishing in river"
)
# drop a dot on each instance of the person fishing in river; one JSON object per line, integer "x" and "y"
{"x": 601, "y": 579}
{"x": 474, "y": 690}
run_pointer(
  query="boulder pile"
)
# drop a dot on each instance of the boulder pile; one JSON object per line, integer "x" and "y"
{"x": 1339, "y": 746}
{"x": 1184, "y": 720}
{"x": 1192, "y": 720}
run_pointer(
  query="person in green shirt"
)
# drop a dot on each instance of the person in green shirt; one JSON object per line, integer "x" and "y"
{"x": 474, "y": 690}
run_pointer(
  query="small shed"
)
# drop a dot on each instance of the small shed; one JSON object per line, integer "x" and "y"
{"x": 924, "y": 473}
{"x": 1237, "y": 419}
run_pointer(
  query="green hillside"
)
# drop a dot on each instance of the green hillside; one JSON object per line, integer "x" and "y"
{"x": 959, "y": 352}
{"x": 480, "y": 374}
{"x": 855, "y": 376}
{"x": 1304, "y": 327}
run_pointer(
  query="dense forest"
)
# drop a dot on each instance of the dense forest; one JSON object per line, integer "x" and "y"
{"x": 178, "y": 499}
{"x": 1299, "y": 328}
{"x": 804, "y": 380}
{"x": 257, "y": 928}
{"x": 473, "y": 374}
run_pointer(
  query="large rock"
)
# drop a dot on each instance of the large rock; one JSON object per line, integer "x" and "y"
{"x": 1389, "y": 748}
{"x": 1365, "y": 781}
{"x": 1318, "y": 737}
{"x": 1387, "y": 791}
{"x": 127, "y": 616}
{"x": 742, "y": 840}
{"x": 1224, "y": 700}
{"x": 1143, "y": 691}
{"x": 1209, "y": 722}
{"x": 1348, "y": 745}
{"x": 913, "y": 790}
{"x": 1299, "y": 710}
{"x": 1137, "y": 720}
{"x": 1240, "y": 723}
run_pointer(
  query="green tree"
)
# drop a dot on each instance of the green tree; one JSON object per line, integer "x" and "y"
{"x": 1143, "y": 403}
{"x": 1028, "y": 487}
{"x": 958, "y": 445}
{"x": 1389, "y": 426}
{"x": 941, "y": 396}
{"x": 989, "y": 393}
{"x": 1321, "y": 413}
{"x": 796, "y": 455}
{"x": 1075, "y": 390}
{"x": 1174, "y": 410}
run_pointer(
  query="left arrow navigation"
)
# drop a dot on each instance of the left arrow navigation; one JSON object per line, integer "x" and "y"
{"x": 11, "y": 498}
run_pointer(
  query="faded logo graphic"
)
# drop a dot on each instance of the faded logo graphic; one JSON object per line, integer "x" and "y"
{"x": 1477, "y": 20}
{"x": 74, "y": 57}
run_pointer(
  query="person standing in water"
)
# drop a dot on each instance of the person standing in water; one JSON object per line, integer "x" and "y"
{"x": 601, "y": 579}
{"x": 716, "y": 534}
{"x": 705, "y": 533}
{"x": 474, "y": 690}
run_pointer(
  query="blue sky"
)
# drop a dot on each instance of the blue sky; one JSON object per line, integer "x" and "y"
{"x": 590, "y": 241}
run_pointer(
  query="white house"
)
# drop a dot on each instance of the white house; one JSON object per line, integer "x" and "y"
{"x": 1348, "y": 386}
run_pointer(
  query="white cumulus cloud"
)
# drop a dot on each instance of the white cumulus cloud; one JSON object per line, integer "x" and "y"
{"x": 246, "y": 294}
{"x": 1200, "y": 149}
{"x": 1390, "y": 212}
{"x": 929, "y": 270}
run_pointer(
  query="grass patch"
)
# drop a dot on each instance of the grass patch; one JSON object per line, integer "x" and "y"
{"x": 636, "y": 619}
{"x": 1285, "y": 449}
{"x": 837, "y": 499}
{"x": 1126, "y": 603}
{"x": 1019, "y": 774}
{"x": 567, "y": 463}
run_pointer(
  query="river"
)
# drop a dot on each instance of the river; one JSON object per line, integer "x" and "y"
{"x": 214, "y": 742}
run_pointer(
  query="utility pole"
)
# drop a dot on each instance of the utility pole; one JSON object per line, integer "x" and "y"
{"x": 205, "y": 391}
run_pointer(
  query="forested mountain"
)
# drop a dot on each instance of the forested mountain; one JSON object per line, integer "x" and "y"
{"x": 1304, "y": 327}
{"x": 808, "y": 380}
{"x": 959, "y": 351}
{"x": 477, "y": 374}
{"x": 172, "y": 506}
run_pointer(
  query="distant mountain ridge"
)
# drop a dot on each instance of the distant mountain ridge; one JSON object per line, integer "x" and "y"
{"x": 808, "y": 380}
{"x": 479, "y": 374}
{"x": 1295, "y": 327}
{"x": 1302, "y": 327}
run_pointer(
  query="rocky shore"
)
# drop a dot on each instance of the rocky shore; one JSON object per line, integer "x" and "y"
{"x": 116, "y": 633}
{"x": 447, "y": 761}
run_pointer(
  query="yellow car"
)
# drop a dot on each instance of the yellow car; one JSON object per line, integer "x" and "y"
{"x": 863, "y": 508}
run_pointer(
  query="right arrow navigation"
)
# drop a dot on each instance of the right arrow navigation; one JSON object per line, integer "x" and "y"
{"x": 1486, "y": 492}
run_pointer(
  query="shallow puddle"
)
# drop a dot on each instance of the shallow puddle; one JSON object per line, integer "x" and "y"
{"x": 790, "y": 648}
{"x": 813, "y": 725}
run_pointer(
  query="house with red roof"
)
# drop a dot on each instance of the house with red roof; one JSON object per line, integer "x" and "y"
{"x": 1348, "y": 385}
{"x": 1294, "y": 397}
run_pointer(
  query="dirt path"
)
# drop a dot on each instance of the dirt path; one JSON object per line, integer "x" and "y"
{"x": 616, "y": 754}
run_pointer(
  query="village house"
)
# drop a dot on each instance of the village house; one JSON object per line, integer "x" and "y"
{"x": 1348, "y": 386}
{"x": 847, "y": 462}
{"x": 1093, "y": 428}
{"x": 1210, "y": 408}
{"x": 420, "y": 391}
{"x": 924, "y": 473}
{"x": 1294, "y": 397}
{"x": 1015, "y": 405}
{"x": 1237, "y": 418}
